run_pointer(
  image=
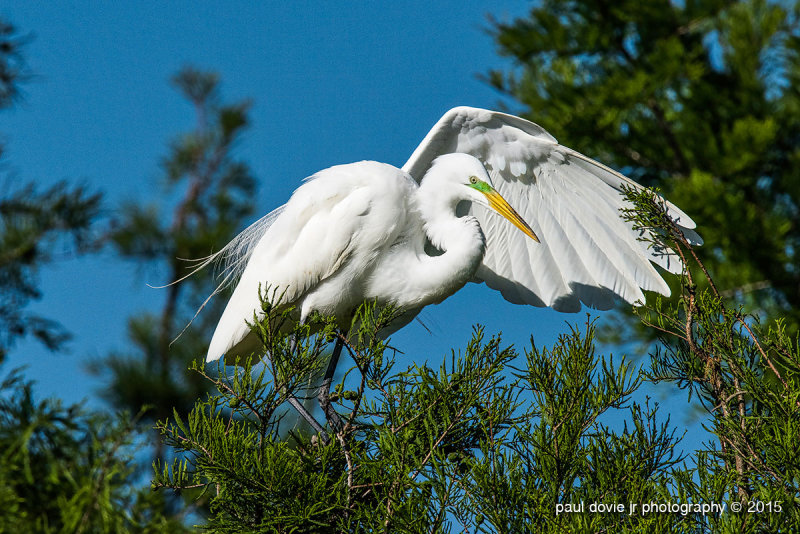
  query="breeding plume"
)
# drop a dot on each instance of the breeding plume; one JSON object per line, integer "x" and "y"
{"x": 486, "y": 197}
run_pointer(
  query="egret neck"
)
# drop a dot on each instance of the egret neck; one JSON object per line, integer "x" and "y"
{"x": 460, "y": 239}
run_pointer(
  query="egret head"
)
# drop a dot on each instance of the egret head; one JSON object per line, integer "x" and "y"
{"x": 469, "y": 173}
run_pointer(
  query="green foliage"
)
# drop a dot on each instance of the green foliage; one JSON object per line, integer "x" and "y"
{"x": 747, "y": 377}
{"x": 562, "y": 453}
{"x": 63, "y": 469}
{"x": 485, "y": 445}
{"x": 13, "y": 68}
{"x": 465, "y": 447}
{"x": 698, "y": 97}
{"x": 33, "y": 223}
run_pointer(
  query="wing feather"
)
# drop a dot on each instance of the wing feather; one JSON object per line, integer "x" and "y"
{"x": 307, "y": 242}
{"x": 588, "y": 254}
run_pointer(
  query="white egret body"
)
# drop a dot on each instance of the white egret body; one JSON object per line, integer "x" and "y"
{"x": 412, "y": 237}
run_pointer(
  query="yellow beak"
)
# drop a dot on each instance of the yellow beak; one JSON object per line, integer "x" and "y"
{"x": 499, "y": 204}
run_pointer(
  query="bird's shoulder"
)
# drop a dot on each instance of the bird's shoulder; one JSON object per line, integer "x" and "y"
{"x": 359, "y": 204}
{"x": 352, "y": 189}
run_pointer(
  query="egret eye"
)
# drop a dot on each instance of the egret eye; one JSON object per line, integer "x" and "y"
{"x": 473, "y": 179}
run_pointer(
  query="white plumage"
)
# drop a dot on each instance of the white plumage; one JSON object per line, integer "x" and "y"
{"x": 412, "y": 237}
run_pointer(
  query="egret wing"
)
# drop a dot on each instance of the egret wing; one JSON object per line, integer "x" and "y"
{"x": 588, "y": 253}
{"x": 305, "y": 242}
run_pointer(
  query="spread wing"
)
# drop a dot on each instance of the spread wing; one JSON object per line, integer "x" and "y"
{"x": 588, "y": 253}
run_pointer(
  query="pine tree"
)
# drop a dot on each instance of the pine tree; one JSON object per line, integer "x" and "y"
{"x": 33, "y": 223}
{"x": 66, "y": 469}
{"x": 216, "y": 195}
{"x": 746, "y": 374}
{"x": 62, "y": 469}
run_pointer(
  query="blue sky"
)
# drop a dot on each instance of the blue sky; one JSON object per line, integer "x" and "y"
{"x": 329, "y": 85}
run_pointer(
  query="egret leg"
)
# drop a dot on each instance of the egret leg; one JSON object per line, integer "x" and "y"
{"x": 323, "y": 394}
{"x": 298, "y": 406}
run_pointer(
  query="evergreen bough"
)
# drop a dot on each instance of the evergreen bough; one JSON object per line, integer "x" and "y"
{"x": 495, "y": 441}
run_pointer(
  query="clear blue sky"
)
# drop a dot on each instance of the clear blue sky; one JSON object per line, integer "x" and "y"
{"x": 329, "y": 85}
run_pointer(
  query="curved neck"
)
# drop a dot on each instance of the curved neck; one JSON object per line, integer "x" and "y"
{"x": 459, "y": 238}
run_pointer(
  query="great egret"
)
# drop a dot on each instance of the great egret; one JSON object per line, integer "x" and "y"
{"x": 413, "y": 236}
